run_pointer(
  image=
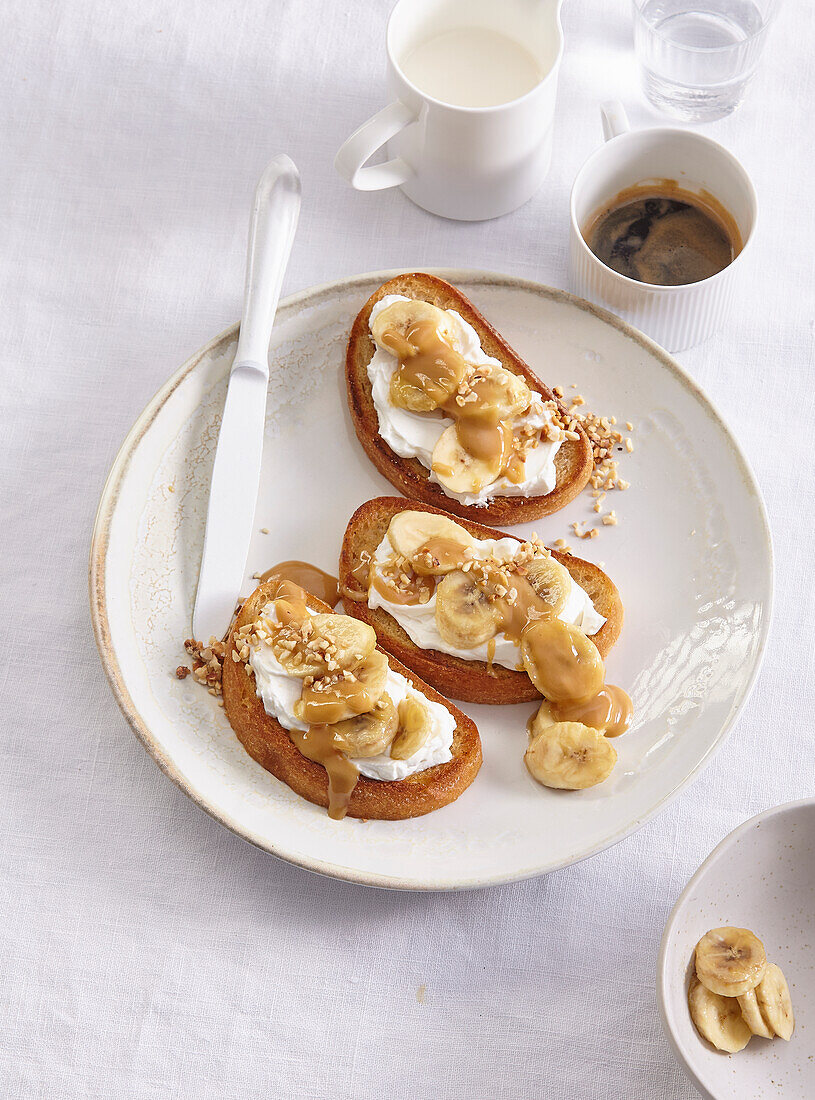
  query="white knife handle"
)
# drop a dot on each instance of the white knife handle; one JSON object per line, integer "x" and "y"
{"x": 271, "y": 233}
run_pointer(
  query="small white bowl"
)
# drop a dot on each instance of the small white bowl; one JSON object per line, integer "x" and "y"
{"x": 762, "y": 877}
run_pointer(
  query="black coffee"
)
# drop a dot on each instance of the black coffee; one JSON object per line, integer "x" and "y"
{"x": 668, "y": 237}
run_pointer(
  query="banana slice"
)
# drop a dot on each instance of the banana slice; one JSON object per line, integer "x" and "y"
{"x": 465, "y": 615}
{"x": 570, "y": 756}
{"x": 752, "y": 1015}
{"x": 340, "y": 696}
{"x": 409, "y": 532}
{"x": 561, "y": 661}
{"x": 551, "y": 582}
{"x": 368, "y": 734}
{"x": 500, "y": 394}
{"x": 397, "y": 319}
{"x": 717, "y": 1019}
{"x": 773, "y": 998}
{"x": 730, "y": 961}
{"x": 456, "y": 468}
{"x": 349, "y": 640}
{"x": 429, "y": 372}
{"x": 414, "y": 728}
{"x": 541, "y": 720}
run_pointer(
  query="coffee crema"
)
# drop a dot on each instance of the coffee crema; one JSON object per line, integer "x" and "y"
{"x": 659, "y": 233}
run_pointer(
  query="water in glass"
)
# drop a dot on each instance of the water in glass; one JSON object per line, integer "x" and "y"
{"x": 697, "y": 58}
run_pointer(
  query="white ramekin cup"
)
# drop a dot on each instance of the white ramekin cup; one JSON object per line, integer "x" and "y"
{"x": 676, "y": 317}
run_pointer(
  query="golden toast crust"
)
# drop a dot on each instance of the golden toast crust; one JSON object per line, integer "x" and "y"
{"x": 269, "y": 744}
{"x": 471, "y": 681}
{"x": 573, "y": 461}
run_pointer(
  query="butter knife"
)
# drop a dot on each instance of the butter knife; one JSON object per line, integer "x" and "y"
{"x": 236, "y": 473}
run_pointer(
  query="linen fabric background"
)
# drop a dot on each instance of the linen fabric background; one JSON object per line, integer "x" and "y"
{"x": 147, "y": 952}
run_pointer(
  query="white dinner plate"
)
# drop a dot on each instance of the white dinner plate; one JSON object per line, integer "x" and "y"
{"x": 691, "y": 557}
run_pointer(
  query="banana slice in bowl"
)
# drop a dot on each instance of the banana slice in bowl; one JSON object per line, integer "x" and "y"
{"x": 718, "y": 1019}
{"x": 730, "y": 961}
{"x": 774, "y": 1002}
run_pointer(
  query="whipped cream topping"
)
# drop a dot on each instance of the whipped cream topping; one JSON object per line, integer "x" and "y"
{"x": 278, "y": 690}
{"x": 415, "y": 435}
{"x": 419, "y": 620}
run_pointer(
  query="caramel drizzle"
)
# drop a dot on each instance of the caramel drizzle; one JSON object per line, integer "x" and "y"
{"x": 308, "y": 577}
{"x": 428, "y": 364}
{"x": 609, "y": 710}
{"x": 317, "y": 744}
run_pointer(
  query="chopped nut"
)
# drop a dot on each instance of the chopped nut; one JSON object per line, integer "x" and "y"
{"x": 182, "y": 672}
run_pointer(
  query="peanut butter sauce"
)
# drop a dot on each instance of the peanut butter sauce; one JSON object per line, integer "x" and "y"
{"x": 432, "y": 373}
{"x": 527, "y": 607}
{"x": 438, "y": 555}
{"x": 391, "y": 584}
{"x": 317, "y": 744}
{"x": 331, "y": 705}
{"x": 563, "y": 664}
{"x": 308, "y": 577}
{"x": 427, "y": 364}
{"x": 609, "y": 710}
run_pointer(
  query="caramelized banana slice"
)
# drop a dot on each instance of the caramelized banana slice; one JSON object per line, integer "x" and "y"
{"x": 570, "y": 756}
{"x": 349, "y": 640}
{"x": 411, "y": 532}
{"x": 414, "y": 728}
{"x": 500, "y": 393}
{"x": 730, "y": 961}
{"x": 465, "y": 616}
{"x": 561, "y": 661}
{"x": 397, "y": 319}
{"x": 339, "y": 696}
{"x": 368, "y": 734}
{"x": 717, "y": 1019}
{"x": 773, "y": 997}
{"x": 551, "y": 582}
{"x": 456, "y": 468}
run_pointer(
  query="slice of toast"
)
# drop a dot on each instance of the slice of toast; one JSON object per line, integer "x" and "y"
{"x": 472, "y": 681}
{"x": 269, "y": 743}
{"x": 573, "y": 461}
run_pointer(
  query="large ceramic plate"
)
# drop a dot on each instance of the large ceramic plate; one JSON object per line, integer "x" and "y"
{"x": 691, "y": 557}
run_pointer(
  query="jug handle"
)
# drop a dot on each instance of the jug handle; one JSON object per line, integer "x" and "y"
{"x": 364, "y": 142}
{"x": 615, "y": 120}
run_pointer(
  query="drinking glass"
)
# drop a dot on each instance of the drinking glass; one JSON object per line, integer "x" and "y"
{"x": 697, "y": 57}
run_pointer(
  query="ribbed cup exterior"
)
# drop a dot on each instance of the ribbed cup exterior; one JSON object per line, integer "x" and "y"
{"x": 676, "y": 317}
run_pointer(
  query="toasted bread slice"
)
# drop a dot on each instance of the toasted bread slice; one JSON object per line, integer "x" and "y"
{"x": 472, "y": 681}
{"x": 573, "y": 461}
{"x": 269, "y": 743}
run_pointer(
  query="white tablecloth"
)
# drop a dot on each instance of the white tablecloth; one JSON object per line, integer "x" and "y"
{"x": 147, "y": 952}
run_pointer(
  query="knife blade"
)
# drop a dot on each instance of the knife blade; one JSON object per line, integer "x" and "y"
{"x": 238, "y": 454}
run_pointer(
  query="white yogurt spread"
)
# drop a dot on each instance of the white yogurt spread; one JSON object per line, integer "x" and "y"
{"x": 419, "y": 620}
{"x": 279, "y": 691}
{"x": 414, "y": 435}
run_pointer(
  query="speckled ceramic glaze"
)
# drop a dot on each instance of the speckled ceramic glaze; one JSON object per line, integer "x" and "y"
{"x": 691, "y": 557}
{"x": 762, "y": 877}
